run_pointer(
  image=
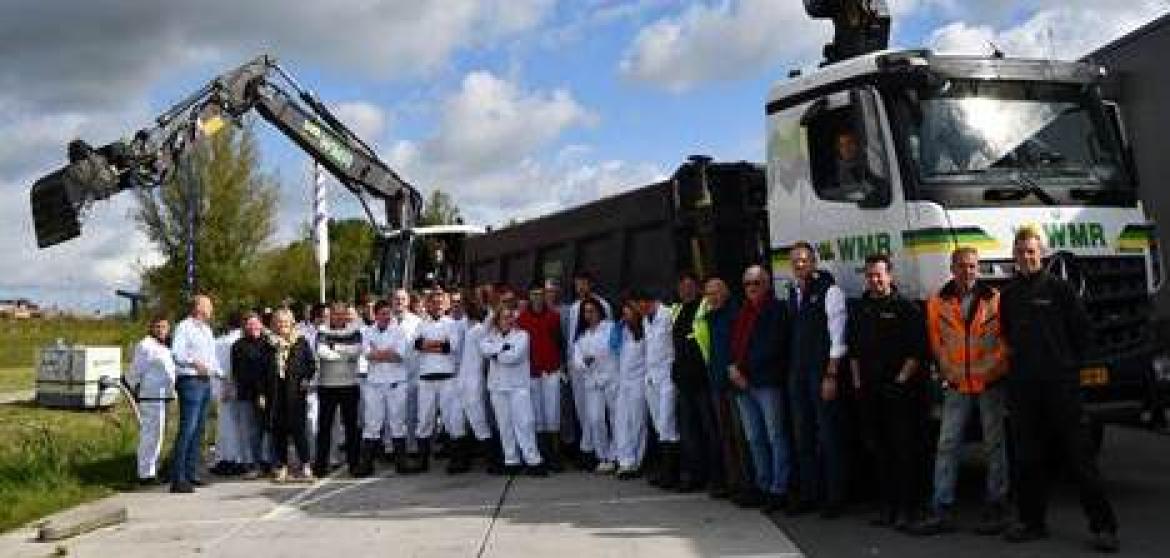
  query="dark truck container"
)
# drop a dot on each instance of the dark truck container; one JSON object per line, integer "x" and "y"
{"x": 1140, "y": 85}
{"x": 708, "y": 218}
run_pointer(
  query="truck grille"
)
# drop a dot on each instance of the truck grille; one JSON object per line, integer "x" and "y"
{"x": 1115, "y": 297}
{"x": 1117, "y": 301}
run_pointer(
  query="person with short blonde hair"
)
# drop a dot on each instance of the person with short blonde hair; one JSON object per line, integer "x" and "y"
{"x": 283, "y": 398}
{"x": 1049, "y": 335}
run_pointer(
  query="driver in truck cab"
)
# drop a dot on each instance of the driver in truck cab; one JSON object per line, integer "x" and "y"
{"x": 852, "y": 179}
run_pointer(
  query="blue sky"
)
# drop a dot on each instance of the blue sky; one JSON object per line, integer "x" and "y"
{"x": 516, "y": 107}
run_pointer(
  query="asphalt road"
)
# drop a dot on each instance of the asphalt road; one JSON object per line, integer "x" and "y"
{"x": 1136, "y": 467}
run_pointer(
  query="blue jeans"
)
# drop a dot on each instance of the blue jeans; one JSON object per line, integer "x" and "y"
{"x": 817, "y": 429}
{"x": 761, "y": 410}
{"x": 957, "y": 409}
{"x": 194, "y": 399}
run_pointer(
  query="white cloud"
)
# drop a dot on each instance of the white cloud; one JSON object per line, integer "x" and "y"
{"x": 488, "y": 124}
{"x": 491, "y": 151}
{"x": 368, "y": 120}
{"x": 728, "y": 40}
{"x": 1066, "y": 31}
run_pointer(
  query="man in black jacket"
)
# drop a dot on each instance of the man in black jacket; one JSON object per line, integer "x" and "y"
{"x": 887, "y": 340}
{"x": 699, "y": 429}
{"x": 1047, "y": 331}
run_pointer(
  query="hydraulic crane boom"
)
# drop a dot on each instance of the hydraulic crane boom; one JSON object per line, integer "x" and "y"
{"x": 60, "y": 198}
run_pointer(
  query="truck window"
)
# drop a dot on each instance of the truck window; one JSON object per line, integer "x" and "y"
{"x": 846, "y": 154}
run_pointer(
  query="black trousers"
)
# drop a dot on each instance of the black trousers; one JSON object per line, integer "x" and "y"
{"x": 702, "y": 454}
{"x": 329, "y": 400}
{"x": 288, "y": 424}
{"x": 1046, "y": 416}
{"x": 893, "y": 426}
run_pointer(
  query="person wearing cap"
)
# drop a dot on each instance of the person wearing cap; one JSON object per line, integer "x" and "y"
{"x": 543, "y": 325}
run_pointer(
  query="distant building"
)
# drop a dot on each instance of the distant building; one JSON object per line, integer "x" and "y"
{"x": 19, "y": 308}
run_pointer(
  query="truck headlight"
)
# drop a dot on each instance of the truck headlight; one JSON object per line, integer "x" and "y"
{"x": 1162, "y": 368}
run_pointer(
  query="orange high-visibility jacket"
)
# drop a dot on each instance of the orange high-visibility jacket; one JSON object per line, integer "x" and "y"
{"x": 971, "y": 354}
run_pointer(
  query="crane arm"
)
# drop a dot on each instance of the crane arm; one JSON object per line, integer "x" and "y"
{"x": 60, "y": 198}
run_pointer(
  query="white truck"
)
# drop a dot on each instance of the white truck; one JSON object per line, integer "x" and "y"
{"x": 914, "y": 154}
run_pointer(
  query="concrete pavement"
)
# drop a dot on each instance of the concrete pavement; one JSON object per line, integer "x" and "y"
{"x": 572, "y": 514}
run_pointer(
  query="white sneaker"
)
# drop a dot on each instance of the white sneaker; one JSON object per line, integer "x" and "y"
{"x": 307, "y": 474}
{"x": 281, "y": 475}
{"x": 606, "y": 467}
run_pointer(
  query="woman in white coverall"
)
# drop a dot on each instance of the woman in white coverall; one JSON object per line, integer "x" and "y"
{"x": 629, "y": 428}
{"x": 152, "y": 379}
{"x": 595, "y": 361}
{"x": 508, "y": 381}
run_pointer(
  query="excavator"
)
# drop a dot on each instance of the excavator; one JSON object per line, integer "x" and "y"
{"x": 154, "y": 154}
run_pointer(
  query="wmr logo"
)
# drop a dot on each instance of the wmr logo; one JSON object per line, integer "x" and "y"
{"x": 856, "y": 248}
{"x": 1075, "y": 235}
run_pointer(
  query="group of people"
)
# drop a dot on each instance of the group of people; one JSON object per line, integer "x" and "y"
{"x": 788, "y": 399}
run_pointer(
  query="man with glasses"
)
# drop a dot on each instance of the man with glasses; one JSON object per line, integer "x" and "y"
{"x": 759, "y": 337}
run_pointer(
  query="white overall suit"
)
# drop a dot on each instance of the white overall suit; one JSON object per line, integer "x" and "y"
{"x": 229, "y": 440}
{"x": 438, "y": 386}
{"x": 508, "y": 383}
{"x": 152, "y": 378}
{"x": 472, "y": 381}
{"x": 629, "y": 425}
{"x": 385, "y": 388}
{"x": 661, "y": 394}
{"x": 576, "y": 375}
{"x": 596, "y": 365}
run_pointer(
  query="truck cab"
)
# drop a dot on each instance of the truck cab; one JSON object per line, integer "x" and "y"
{"x": 915, "y": 154}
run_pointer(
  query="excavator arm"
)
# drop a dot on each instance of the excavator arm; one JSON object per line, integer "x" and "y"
{"x": 60, "y": 199}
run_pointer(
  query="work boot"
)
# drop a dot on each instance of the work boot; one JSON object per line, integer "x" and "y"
{"x": 459, "y": 455}
{"x": 1022, "y": 533}
{"x": 552, "y": 457}
{"x": 365, "y": 466}
{"x": 1105, "y": 541}
{"x": 993, "y": 520}
{"x": 401, "y": 460}
{"x": 493, "y": 455}
{"x": 668, "y": 466}
{"x": 941, "y": 520}
{"x": 424, "y": 455}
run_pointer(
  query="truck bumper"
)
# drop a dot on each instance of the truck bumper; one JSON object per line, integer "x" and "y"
{"x": 1138, "y": 381}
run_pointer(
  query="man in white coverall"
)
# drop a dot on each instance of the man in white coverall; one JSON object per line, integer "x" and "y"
{"x": 151, "y": 378}
{"x": 384, "y": 391}
{"x": 436, "y": 341}
{"x": 661, "y": 395}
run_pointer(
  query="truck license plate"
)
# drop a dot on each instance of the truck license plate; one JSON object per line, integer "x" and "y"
{"x": 1094, "y": 376}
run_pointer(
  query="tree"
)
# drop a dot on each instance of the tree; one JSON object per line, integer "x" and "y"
{"x": 439, "y": 209}
{"x": 351, "y": 245}
{"x": 237, "y": 212}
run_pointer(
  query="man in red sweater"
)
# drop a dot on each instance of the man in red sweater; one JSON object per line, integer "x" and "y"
{"x": 543, "y": 325}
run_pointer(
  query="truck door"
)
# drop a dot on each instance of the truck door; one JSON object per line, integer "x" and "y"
{"x": 851, "y": 209}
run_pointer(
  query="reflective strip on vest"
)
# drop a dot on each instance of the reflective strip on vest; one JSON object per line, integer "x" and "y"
{"x": 970, "y": 356}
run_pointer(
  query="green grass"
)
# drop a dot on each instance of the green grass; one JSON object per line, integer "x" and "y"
{"x": 54, "y": 459}
{"x": 20, "y": 378}
{"x": 23, "y": 339}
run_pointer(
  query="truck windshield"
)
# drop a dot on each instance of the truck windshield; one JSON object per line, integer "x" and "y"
{"x": 991, "y": 134}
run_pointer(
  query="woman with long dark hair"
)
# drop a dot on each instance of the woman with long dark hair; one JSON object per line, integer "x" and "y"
{"x": 594, "y": 359}
{"x": 629, "y": 423}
